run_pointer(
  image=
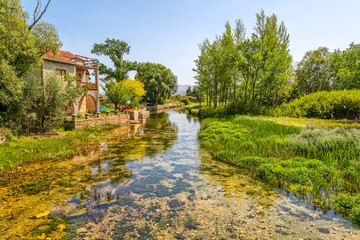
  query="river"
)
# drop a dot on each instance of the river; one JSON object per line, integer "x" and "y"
{"x": 153, "y": 181}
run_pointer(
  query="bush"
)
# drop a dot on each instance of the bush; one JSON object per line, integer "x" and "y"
{"x": 232, "y": 108}
{"x": 325, "y": 105}
{"x": 184, "y": 99}
{"x": 241, "y": 107}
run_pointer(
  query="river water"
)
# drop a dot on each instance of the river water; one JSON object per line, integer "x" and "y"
{"x": 153, "y": 181}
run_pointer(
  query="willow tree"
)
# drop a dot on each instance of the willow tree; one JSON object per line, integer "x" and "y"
{"x": 159, "y": 82}
{"x": 313, "y": 72}
{"x": 346, "y": 68}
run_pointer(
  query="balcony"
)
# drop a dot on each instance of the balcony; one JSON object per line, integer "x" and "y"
{"x": 90, "y": 86}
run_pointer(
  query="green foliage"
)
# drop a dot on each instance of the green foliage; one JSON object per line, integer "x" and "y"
{"x": 123, "y": 91}
{"x": 251, "y": 70}
{"x": 349, "y": 205}
{"x": 115, "y": 50}
{"x": 159, "y": 82}
{"x": 17, "y": 52}
{"x": 346, "y": 68}
{"x": 183, "y": 99}
{"x": 337, "y": 145}
{"x": 55, "y": 94}
{"x": 313, "y": 73}
{"x": 135, "y": 90}
{"x": 20, "y": 53}
{"x": 314, "y": 162}
{"x": 326, "y": 105}
{"x": 20, "y": 150}
{"x": 9, "y": 135}
{"x": 46, "y": 38}
{"x": 188, "y": 91}
{"x": 117, "y": 93}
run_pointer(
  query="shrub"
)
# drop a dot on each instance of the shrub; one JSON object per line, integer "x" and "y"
{"x": 241, "y": 107}
{"x": 325, "y": 105}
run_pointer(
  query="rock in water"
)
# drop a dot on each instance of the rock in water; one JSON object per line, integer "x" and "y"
{"x": 42, "y": 215}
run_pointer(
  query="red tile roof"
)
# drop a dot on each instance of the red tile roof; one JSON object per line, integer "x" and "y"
{"x": 68, "y": 57}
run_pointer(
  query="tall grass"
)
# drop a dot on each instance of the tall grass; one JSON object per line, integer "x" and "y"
{"x": 20, "y": 150}
{"x": 317, "y": 163}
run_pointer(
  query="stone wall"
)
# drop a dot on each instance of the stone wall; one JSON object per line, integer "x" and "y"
{"x": 163, "y": 108}
{"x": 123, "y": 118}
{"x": 50, "y": 66}
{"x": 120, "y": 119}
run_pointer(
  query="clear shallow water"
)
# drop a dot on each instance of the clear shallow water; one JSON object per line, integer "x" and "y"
{"x": 154, "y": 182}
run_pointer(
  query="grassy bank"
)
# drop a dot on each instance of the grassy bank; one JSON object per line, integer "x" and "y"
{"x": 315, "y": 159}
{"x": 36, "y": 148}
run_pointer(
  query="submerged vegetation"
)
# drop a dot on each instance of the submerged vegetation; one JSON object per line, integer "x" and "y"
{"x": 316, "y": 162}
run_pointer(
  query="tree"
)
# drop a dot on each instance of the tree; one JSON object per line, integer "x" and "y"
{"x": 188, "y": 91}
{"x": 49, "y": 97}
{"x": 127, "y": 90}
{"x": 38, "y": 13}
{"x": 116, "y": 93}
{"x": 159, "y": 82}
{"x": 135, "y": 90}
{"x": 203, "y": 70}
{"x": 346, "y": 68}
{"x": 55, "y": 95}
{"x": 255, "y": 69}
{"x": 275, "y": 61}
{"x": 46, "y": 38}
{"x": 313, "y": 72}
{"x": 115, "y": 50}
{"x": 20, "y": 52}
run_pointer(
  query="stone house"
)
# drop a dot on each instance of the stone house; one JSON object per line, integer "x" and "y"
{"x": 75, "y": 65}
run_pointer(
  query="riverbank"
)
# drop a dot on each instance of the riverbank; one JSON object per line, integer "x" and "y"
{"x": 47, "y": 147}
{"x": 315, "y": 159}
{"x": 154, "y": 181}
{"x": 68, "y": 143}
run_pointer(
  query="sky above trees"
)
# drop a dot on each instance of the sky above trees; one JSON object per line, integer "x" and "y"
{"x": 168, "y": 32}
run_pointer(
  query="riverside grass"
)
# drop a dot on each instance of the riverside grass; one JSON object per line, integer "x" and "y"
{"x": 20, "y": 150}
{"x": 317, "y": 160}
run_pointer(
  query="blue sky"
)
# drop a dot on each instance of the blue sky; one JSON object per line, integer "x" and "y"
{"x": 168, "y": 31}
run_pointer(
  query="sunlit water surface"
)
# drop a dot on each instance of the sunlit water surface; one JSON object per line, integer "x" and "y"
{"x": 157, "y": 183}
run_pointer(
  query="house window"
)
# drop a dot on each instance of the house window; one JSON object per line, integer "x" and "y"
{"x": 61, "y": 73}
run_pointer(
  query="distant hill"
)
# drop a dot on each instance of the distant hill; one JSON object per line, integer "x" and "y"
{"x": 183, "y": 88}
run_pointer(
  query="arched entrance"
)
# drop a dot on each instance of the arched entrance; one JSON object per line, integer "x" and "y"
{"x": 90, "y": 104}
{"x": 87, "y": 104}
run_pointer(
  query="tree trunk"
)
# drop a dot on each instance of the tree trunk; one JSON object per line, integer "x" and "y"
{"x": 234, "y": 85}
{"x": 216, "y": 95}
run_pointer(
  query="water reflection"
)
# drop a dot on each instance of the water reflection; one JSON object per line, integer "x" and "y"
{"x": 152, "y": 181}
{"x": 177, "y": 191}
